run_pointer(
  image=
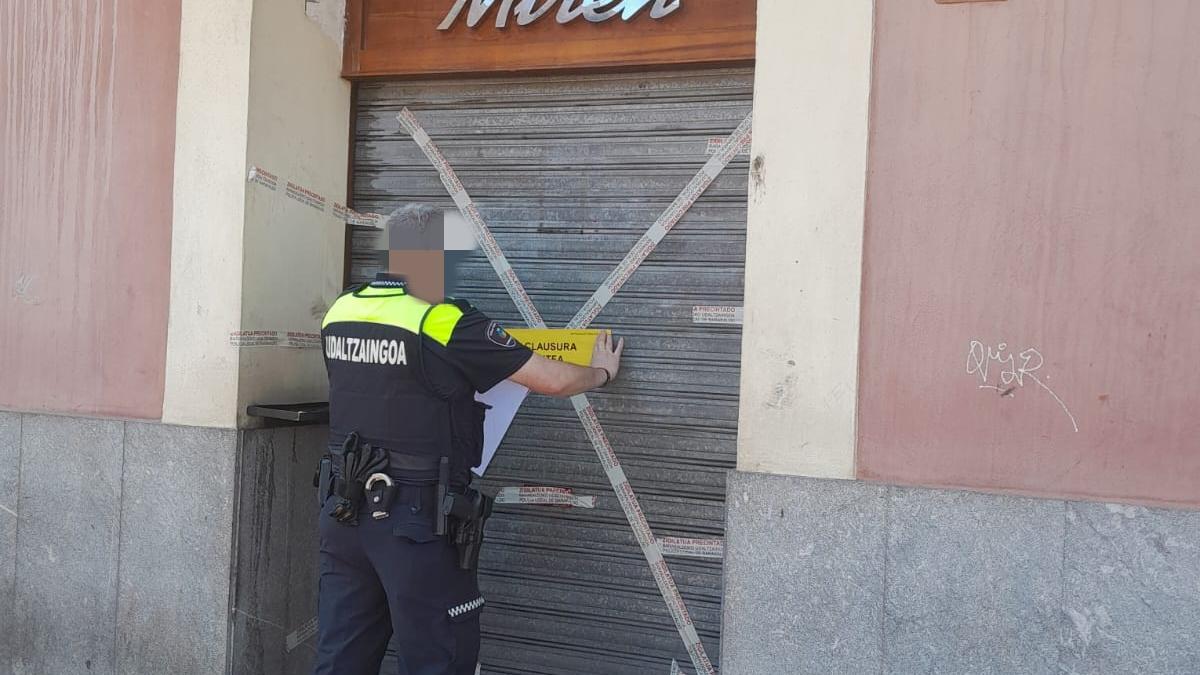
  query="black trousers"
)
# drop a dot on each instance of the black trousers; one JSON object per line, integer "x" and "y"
{"x": 392, "y": 579}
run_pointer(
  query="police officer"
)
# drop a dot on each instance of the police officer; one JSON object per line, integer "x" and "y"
{"x": 405, "y": 431}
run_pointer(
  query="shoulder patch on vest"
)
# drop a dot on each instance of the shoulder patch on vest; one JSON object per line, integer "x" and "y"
{"x": 440, "y": 322}
{"x": 499, "y": 336}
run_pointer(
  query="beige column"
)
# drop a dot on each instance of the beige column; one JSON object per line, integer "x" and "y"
{"x": 259, "y": 86}
{"x": 805, "y": 232}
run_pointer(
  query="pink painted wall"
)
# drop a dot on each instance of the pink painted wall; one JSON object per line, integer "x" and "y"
{"x": 1034, "y": 180}
{"x": 87, "y": 127}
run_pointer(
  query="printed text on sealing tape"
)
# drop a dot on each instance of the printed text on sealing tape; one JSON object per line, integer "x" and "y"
{"x": 692, "y": 548}
{"x": 714, "y": 146}
{"x": 275, "y": 338}
{"x": 312, "y": 199}
{"x": 302, "y": 634}
{"x": 544, "y": 495}
{"x": 625, "y": 496}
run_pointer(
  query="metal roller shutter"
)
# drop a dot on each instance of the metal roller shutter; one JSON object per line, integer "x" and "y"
{"x": 569, "y": 171}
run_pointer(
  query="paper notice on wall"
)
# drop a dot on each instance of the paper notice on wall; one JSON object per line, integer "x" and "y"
{"x": 505, "y": 400}
{"x": 715, "y": 314}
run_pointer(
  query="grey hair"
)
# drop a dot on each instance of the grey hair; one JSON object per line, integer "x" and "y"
{"x": 411, "y": 217}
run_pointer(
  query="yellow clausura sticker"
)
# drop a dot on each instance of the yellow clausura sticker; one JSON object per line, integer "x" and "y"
{"x": 561, "y": 344}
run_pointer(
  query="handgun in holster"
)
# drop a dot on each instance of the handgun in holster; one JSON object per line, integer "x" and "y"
{"x": 462, "y": 516}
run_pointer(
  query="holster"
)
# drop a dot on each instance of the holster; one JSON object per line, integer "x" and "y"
{"x": 323, "y": 481}
{"x": 467, "y": 513}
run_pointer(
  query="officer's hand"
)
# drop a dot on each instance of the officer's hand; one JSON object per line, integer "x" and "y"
{"x": 607, "y": 355}
{"x": 556, "y": 378}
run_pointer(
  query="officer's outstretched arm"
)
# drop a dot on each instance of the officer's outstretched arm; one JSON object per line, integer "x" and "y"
{"x": 556, "y": 378}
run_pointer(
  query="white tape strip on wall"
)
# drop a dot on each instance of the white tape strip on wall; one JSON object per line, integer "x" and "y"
{"x": 314, "y": 200}
{"x": 275, "y": 338}
{"x": 713, "y": 146}
{"x": 651, "y": 549}
{"x": 302, "y": 634}
{"x": 669, "y": 218}
{"x": 553, "y": 496}
{"x": 642, "y": 533}
{"x": 272, "y": 182}
{"x": 467, "y": 207}
{"x": 692, "y": 548}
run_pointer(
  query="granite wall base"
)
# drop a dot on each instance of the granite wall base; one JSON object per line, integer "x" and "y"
{"x": 850, "y": 577}
{"x": 115, "y": 546}
{"x": 130, "y": 547}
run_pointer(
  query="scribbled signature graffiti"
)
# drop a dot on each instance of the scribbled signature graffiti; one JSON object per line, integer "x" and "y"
{"x": 1007, "y": 371}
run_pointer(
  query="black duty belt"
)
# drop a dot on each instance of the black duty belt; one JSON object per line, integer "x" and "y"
{"x": 402, "y": 462}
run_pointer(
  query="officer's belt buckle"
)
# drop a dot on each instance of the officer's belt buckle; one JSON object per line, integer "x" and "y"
{"x": 380, "y": 500}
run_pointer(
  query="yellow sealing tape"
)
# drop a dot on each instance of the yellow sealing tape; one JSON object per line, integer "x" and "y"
{"x": 571, "y": 345}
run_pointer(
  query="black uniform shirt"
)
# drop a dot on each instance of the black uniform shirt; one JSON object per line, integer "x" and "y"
{"x": 478, "y": 355}
{"x": 413, "y": 396}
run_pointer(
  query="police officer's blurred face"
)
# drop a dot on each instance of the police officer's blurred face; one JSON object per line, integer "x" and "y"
{"x": 425, "y": 245}
{"x": 424, "y": 270}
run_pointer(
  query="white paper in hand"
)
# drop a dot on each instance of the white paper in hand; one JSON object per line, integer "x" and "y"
{"x": 506, "y": 399}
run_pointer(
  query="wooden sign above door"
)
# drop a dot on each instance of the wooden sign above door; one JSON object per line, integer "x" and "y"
{"x": 429, "y": 37}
